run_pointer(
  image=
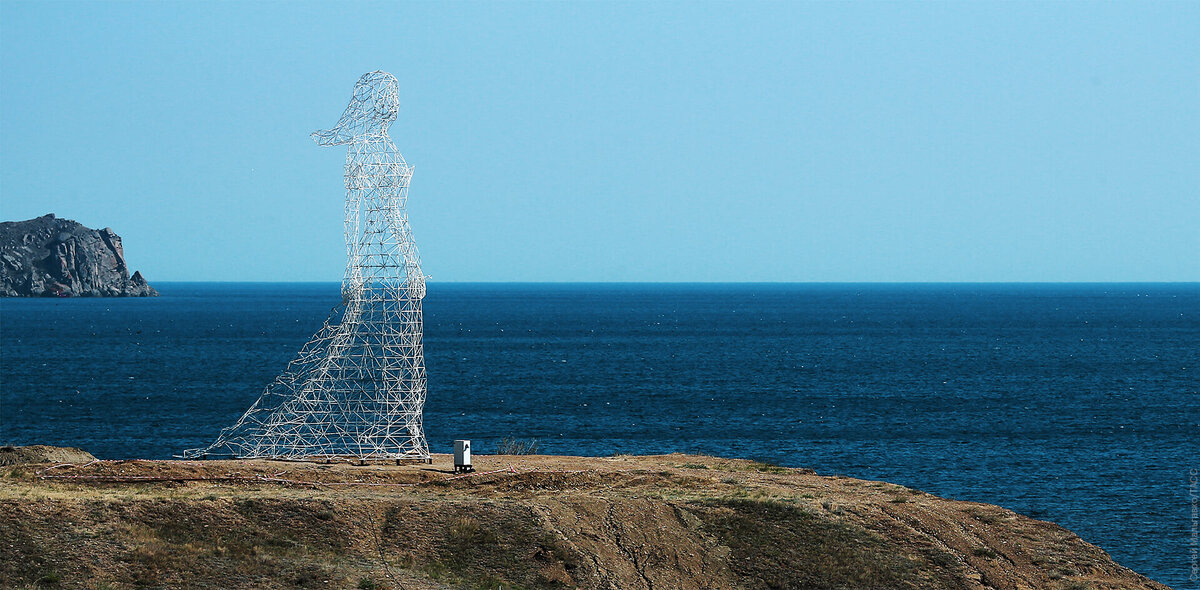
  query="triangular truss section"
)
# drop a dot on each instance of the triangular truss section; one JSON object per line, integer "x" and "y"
{"x": 357, "y": 388}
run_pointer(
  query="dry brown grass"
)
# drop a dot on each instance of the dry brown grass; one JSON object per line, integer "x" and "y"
{"x": 545, "y": 522}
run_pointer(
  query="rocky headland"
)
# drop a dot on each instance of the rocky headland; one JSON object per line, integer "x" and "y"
{"x": 675, "y": 522}
{"x": 48, "y": 256}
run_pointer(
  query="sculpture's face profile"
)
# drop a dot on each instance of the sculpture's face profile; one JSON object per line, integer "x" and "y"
{"x": 371, "y": 110}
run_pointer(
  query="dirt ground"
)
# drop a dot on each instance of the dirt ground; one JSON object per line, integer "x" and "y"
{"x": 624, "y": 522}
{"x": 43, "y": 454}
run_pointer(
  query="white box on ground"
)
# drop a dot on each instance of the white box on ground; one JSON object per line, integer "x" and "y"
{"x": 462, "y": 456}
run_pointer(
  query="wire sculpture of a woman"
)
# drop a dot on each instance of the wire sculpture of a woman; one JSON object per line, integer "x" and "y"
{"x": 357, "y": 388}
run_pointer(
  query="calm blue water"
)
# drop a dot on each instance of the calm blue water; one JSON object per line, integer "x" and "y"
{"x": 1078, "y": 404}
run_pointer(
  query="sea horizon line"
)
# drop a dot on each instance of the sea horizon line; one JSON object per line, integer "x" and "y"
{"x": 682, "y": 283}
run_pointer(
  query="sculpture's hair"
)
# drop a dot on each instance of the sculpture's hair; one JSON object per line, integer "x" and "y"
{"x": 373, "y": 106}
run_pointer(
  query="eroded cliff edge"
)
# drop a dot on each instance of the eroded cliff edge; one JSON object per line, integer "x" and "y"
{"x": 612, "y": 523}
{"x": 48, "y": 256}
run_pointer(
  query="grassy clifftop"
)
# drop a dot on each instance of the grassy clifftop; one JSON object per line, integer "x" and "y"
{"x": 626, "y": 522}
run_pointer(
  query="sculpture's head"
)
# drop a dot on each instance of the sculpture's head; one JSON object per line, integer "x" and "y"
{"x": 371, "y": 110}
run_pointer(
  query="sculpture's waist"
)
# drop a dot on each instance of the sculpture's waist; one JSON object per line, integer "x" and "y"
{"x": 361, "y": 175}
{"x": 413, "y": 288}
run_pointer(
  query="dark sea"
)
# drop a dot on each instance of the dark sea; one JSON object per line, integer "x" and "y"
{"x": 1078, "y": 404}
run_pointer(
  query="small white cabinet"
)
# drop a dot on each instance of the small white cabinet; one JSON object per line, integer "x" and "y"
{"x": 462, "y": 456}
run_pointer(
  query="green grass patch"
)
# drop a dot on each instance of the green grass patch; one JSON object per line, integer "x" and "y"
{"x": 487, "y": 546}
{"x": 984, "y": 552}
{"x": 780, "y": 545}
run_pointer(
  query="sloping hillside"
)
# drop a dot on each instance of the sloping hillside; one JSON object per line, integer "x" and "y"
{"x": 653, "y": 523}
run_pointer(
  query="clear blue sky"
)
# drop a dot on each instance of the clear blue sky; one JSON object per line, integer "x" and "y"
{"x": 624, "y": 142}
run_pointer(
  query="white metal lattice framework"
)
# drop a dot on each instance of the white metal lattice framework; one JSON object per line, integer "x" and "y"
{"x": 357, "y": 388}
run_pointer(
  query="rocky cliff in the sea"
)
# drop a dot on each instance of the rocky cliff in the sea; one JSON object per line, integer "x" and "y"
{"x": 48, "y": 256}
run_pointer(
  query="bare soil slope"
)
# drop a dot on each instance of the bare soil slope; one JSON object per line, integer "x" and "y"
{"x": 646, "y": 522}
{"x": 43, "y": 454}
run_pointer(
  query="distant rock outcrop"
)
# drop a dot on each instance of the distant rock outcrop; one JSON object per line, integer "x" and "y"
{"x": 48, "y": 256}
